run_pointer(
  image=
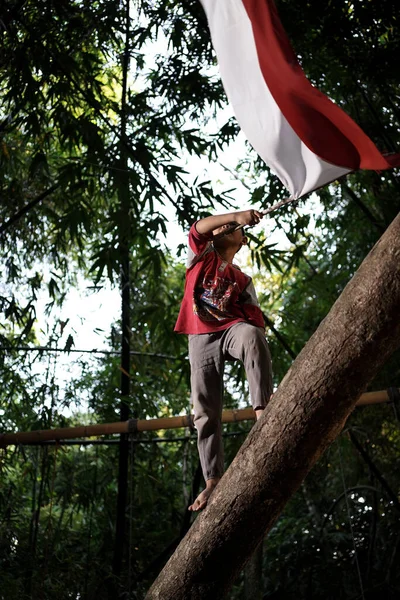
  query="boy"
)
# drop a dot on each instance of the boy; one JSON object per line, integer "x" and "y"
{"x": 221, "y": 314}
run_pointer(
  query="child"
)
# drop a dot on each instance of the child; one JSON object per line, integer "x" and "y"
{"x": 221, "y": 314}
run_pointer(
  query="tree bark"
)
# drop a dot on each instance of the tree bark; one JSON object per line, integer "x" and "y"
{"x": 305, "y": 415}
{"x": 253, "y": 575}
{"x": 124, "y": 247}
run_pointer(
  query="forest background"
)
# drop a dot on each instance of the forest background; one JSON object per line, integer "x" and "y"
{"x": 111, "y": 116}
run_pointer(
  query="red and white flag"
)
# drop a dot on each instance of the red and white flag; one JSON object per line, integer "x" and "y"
{"x": 306, "y": 139}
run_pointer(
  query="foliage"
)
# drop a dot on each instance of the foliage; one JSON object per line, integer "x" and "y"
{"x": 89, "y": 174}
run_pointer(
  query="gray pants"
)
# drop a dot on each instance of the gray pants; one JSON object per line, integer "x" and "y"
{"x": 207, "y": 353}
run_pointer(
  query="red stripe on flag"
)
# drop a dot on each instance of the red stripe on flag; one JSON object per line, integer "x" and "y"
{"x": 323, "y": 127}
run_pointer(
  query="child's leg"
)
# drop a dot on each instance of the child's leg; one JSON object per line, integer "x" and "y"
{"x": 206, "y": 363}
{"x": 248, "y": 343}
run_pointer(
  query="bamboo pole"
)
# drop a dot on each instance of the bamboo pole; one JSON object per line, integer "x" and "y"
{"x": 373, "y": 398}
{"x": 228, "y": 416}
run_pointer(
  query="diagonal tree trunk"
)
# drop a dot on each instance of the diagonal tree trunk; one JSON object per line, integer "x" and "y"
{"x": 253, "y": 575}
{"x": 305, "y": 415}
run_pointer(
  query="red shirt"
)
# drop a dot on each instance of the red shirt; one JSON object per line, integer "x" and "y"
{"x": 217, "y": 293}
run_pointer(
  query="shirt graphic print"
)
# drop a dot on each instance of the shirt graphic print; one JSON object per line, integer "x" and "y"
{"x": 213, "y": 298}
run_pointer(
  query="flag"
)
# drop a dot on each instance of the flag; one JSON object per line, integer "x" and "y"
{"x": 306, "y": 139}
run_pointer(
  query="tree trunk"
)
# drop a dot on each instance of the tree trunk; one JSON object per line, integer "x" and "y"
{"x": 305, "y": 415}
{"x": 253, "y": 575}
{"x": 124, "y": 247}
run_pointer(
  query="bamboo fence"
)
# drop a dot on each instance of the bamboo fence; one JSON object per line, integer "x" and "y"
{"x": 137, "y": 425}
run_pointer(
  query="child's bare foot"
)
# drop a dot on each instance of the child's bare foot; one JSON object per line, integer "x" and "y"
{"x": 259, "y": 412}
{"x": 202, "y": 498}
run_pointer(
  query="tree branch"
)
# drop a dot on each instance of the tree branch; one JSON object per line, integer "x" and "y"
{"x": 279, "y": 336}
{"x": 347, "y": 189}
{"x": 27, "y": 208}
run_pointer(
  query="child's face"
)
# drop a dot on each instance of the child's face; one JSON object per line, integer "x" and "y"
{"x": 224, "y": 228}
{"x": 234, "y": 239}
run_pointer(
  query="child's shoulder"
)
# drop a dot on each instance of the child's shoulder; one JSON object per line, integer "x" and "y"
{"x": 199, "y": 254}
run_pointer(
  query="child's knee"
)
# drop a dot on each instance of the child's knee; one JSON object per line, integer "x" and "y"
{"x": 206, "y": 421}
{"x": 254, "y": 343}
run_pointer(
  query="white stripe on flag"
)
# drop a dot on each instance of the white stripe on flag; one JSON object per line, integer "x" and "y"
{"x": 259, "y": 116}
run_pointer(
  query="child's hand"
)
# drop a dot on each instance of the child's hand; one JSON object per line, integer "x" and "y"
{"x": 248, "y": 217}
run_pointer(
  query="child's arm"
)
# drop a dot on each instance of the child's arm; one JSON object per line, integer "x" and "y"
{"x": 244, "y": 217}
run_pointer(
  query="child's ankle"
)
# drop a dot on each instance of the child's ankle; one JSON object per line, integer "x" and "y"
{"x": 211, "y": 483}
